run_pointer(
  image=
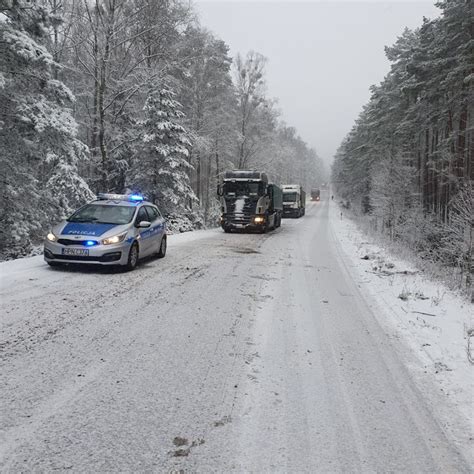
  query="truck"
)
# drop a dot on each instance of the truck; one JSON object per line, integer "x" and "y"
{"x": 249, "y": 202}
{"x": 294, "y": 200}
{"x": 315, "y": 194}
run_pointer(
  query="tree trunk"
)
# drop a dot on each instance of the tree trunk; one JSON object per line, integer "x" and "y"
{"x": 461, "y": 143}
{"x": 242, "y": 145}
{"x": 101, "y": 98}
{"x": 208, "y": 184}
{"x": 95, "y": 112}
{"x": 216, "y": 157}
{"x": 198, "y": 176}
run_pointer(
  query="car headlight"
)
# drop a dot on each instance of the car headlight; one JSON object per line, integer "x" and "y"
{"x": 259, "y": 220}
{"x": 115, "y": 239}
{"x": 51, "y": 237}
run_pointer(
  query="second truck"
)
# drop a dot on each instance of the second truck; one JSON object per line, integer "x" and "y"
{"x": 249, "y": 202}
{"x": 294, "y": 200}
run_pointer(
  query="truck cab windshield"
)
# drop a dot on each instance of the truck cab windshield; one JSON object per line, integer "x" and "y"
{"x": 243, "y": 189}
{"x": 289, "y": 197}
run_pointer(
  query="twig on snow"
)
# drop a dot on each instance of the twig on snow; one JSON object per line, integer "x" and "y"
{"x": 426, "y": 314}
{"x": 470, "y": 355}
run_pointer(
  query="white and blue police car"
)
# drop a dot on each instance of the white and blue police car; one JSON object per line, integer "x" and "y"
{"x": 114, "y": 229}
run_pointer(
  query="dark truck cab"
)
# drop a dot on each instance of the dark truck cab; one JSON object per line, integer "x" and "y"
{"x": 315, "y": 194}
{"x": 249, "y": 202}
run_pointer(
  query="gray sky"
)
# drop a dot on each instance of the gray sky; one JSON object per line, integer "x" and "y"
{"x": 323, "y": 56}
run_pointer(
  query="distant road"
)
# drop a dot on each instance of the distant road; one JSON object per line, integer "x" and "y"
{"x": 237, "y": 352}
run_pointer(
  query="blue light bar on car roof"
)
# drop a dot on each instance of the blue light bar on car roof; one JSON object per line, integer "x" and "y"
{"x": 120, "y": 197}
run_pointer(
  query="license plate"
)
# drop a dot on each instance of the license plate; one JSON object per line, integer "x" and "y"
{"x": 76, "y": 252}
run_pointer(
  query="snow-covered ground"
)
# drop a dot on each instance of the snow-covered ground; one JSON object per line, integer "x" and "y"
{"x": 235, "y": 353}
{"x": 435, "y": 322}
{"x": 29, "y": 269}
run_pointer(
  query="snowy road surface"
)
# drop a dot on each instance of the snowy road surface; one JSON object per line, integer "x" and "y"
{"x": 235, "y": 353}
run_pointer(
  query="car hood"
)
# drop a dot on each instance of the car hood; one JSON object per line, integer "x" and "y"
{"x": 88, "y": 229}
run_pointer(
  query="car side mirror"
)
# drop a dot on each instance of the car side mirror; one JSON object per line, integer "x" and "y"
{"x": 144, "y": 224}
{"x": 219, "y": 190}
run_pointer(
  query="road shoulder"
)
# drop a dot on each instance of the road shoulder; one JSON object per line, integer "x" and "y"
{"x": 427, "y": 322}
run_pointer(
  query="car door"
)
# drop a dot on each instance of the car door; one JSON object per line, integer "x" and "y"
{"x": 157, "y": 226}
{"x": 144, "y": 233}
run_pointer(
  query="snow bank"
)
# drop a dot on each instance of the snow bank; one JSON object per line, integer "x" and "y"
{"x": 187, "y": 237}
{"x": 435, "y": 322}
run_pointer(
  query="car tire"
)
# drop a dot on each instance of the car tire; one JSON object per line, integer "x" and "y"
{"x": 163, "y": 246}
{"x": 133, "y": 256}
{"x": 227, "y": 230}
{"x": 54, "y": 264}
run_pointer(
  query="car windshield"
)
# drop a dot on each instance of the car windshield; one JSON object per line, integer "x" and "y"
{"x": 103, "y": 214}
{"x": 243, "y": 189}
{"x": 289, "y": 197}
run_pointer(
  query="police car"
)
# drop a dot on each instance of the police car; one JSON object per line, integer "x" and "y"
{"x": 115, "y": 229}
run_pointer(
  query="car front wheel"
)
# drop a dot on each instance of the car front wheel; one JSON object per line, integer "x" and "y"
{"x": 163, "y": 246}
{"x": 132, "y": 257}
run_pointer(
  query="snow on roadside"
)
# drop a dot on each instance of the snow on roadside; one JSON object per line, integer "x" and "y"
{"x": 433, "y": 320}
{"x": 9, "y": 269}
{"x": 191, "y": 236}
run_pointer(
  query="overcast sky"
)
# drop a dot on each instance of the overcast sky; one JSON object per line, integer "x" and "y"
{"x": 323, "y": 56}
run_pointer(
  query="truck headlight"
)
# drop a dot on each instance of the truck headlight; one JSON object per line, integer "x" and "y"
{"x": 51, "y": 237}
{"x": 259, "y": 220}
{"x": 115, "y": 239}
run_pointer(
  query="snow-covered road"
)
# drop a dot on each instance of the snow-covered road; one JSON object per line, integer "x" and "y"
{"x": 236, "y": 352}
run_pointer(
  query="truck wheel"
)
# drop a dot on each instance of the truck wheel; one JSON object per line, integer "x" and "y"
{"x": 226, "y": 230}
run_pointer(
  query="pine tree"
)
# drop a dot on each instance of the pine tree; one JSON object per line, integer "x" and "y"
{"x": 410, "y": 155}
{"x": 39, "y": 148}
{"x": 207, "y": 94}
{"x": 160, "y": 168}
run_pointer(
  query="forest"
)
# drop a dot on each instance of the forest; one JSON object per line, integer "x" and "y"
{"x": 407, "y": 165}
{"x": 129, "y": 96}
